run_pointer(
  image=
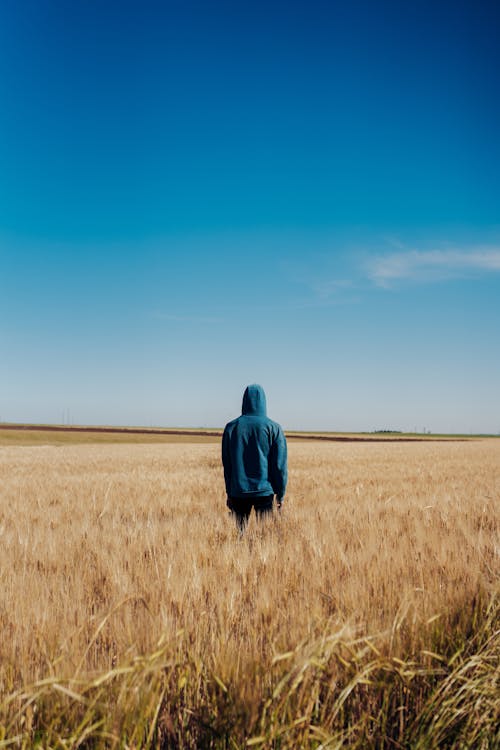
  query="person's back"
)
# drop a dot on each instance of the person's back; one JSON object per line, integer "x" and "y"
{"x": 254, "y": 455}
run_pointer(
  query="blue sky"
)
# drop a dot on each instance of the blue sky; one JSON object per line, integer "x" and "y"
{"x": 196, "y": 196}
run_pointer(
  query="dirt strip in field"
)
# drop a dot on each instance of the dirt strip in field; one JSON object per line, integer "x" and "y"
{"x": 166, "y": 432}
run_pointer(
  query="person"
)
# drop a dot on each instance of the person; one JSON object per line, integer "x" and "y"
{"x": 254, "y": 457}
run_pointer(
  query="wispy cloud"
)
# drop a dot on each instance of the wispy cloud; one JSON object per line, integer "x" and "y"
{"x": 432, "y": 265}
{"x": 319, "y": 281}
{"x": 175, "y": 318}
{"x": 327, "y": 288}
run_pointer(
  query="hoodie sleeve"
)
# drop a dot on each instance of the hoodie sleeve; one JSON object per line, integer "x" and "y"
{"x": 226, "y": 460}
{"x": 278, "y": 469}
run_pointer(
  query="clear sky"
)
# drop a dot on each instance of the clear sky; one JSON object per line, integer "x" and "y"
{"x": 199, "y": 195}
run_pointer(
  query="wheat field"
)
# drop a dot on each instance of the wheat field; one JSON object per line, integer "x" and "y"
{"x": 133, "y": 614}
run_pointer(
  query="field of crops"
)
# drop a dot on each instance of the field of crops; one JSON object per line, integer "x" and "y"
{"x": 366, "y": 615}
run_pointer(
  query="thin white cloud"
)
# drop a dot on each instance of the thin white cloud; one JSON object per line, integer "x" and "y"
{"x": 173, "y": 318}
{"x": 432, "y": 265}
{"x": 328, "y": 288}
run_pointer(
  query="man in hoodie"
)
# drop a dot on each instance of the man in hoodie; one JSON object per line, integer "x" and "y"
{"x": 254, "y": 456}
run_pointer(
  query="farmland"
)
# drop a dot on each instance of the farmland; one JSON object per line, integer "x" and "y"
{"x": 132, "y": 614}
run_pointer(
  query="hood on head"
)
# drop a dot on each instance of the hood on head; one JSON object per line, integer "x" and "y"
{"x": 254, "y": 401}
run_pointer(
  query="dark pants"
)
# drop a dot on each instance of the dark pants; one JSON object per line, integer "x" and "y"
{"x": 241, "y": 507}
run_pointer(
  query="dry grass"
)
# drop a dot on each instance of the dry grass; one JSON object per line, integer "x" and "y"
{"x": 132, "y": 614}
{"x": 66, "y": 436}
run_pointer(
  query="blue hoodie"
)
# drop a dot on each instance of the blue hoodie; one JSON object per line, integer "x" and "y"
{"x": 254, "y": 451}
